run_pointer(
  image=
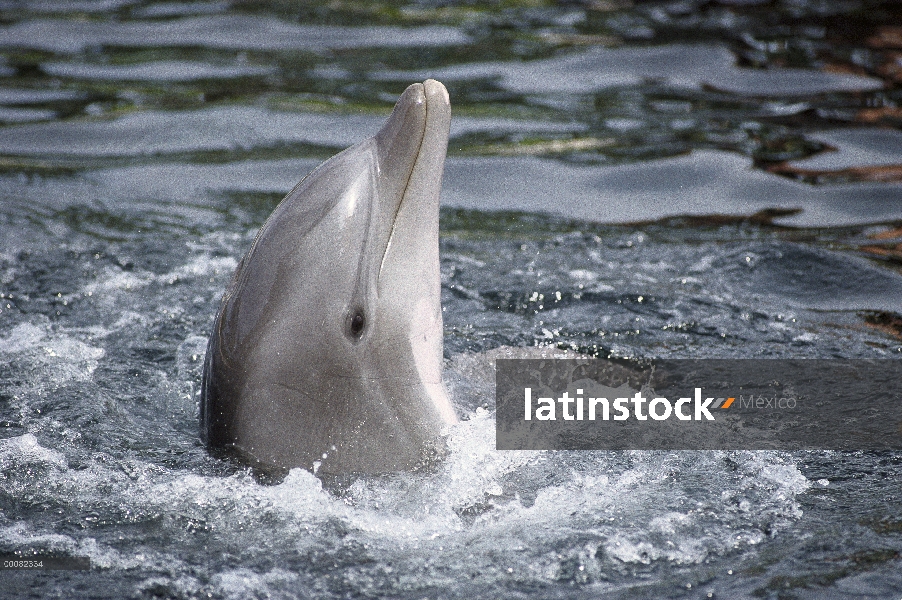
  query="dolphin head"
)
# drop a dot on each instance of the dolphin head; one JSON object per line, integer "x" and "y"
{"x": 327, "y": 351}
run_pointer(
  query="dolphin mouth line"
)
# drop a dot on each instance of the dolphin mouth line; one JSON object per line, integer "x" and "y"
{"x": 413, "y": 166}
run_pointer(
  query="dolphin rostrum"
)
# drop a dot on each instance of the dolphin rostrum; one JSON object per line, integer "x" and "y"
{"x": 327, "y": 350}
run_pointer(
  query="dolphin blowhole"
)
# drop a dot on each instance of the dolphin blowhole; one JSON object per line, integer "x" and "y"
{"x": 326, "y": 352}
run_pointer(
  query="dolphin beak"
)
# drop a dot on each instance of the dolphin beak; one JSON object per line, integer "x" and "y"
{"x": 411, "y": 149}
{"x": 425, "y": 180}
{"x": 398, "y": 142}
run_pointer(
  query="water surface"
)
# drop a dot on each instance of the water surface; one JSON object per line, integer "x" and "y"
{"x": 673, "y": 179}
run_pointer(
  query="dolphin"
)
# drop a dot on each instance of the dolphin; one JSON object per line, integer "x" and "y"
{"x": 326, "y": 352}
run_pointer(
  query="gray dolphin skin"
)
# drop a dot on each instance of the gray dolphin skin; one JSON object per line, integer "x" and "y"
{"x": 326, "y": 353}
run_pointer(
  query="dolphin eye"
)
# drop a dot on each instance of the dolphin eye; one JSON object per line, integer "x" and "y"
{"x": 356, "y": 323}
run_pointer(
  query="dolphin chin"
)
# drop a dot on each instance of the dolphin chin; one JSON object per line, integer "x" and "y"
{"x": 326, "y": 352}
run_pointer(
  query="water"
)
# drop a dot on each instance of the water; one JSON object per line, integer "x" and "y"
{"x": 675, "y": 179}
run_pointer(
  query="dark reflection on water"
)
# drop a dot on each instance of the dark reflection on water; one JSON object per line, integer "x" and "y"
{"x": 671, "y": 179}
